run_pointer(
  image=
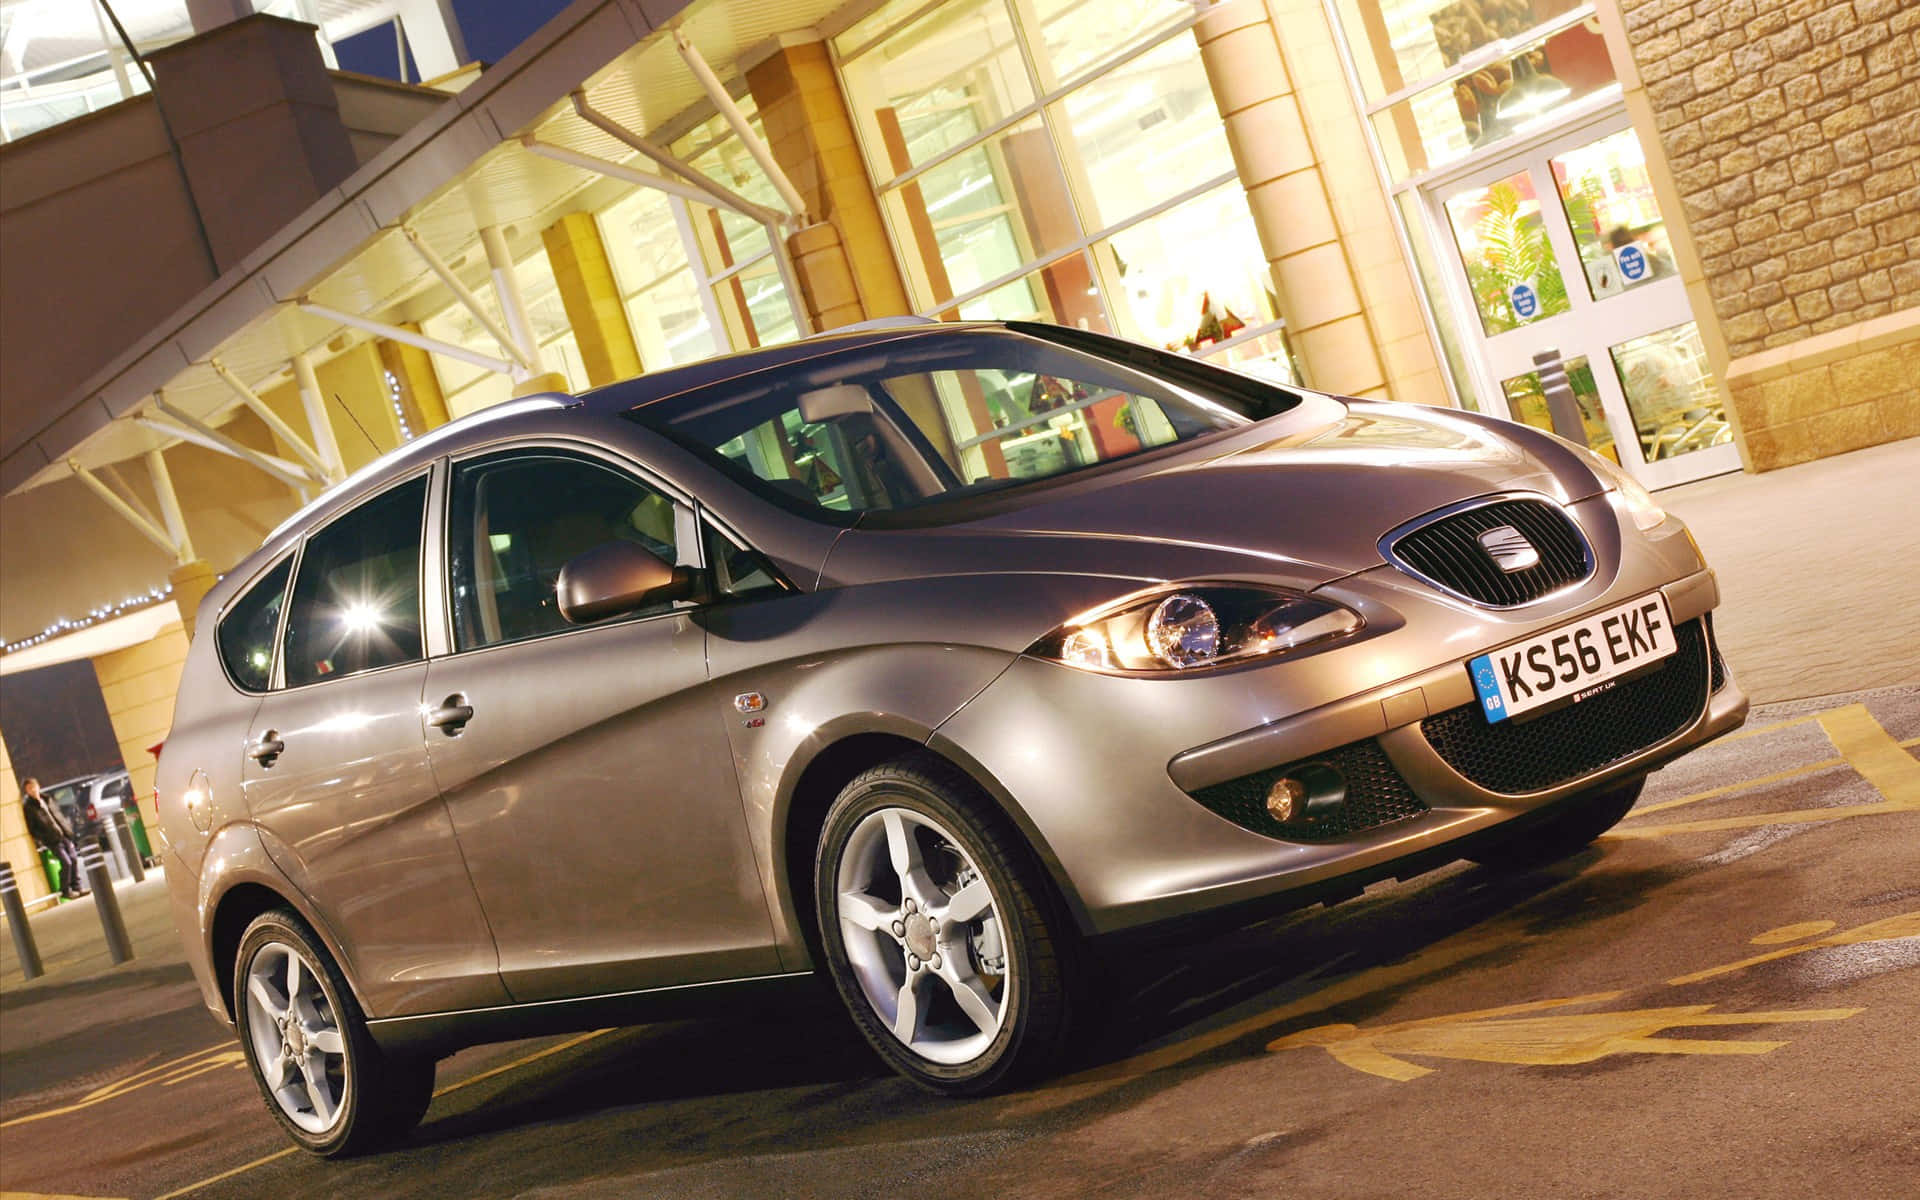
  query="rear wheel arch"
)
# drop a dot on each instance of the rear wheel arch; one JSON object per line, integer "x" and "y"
{"x": 236, "y": 909}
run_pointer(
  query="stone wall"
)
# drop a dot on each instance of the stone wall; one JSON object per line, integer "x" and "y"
{"x": 1793, "y": 130}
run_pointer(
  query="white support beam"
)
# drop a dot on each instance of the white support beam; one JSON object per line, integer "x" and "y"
{"x": 790, "y": 280}
{"x": 513, "y": 305}
{"x": 396, "y": 334}
{"x": 737, "y": 120}
{"x": 716, "y": 193}
{"x": 145, "y": 527}
{"x": 112, "y": 475}
{"x": 275, "y": 422}
{"x": 170, "y": 506}
{"x": 314, "y": 401}
{"x": 180, "y": 424}
{"x": 622, "y": 172}
{"x": 220, "y": 444}
{"x": 461, "y": 292}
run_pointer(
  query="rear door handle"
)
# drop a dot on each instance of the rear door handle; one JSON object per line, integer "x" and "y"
{"x": 265, "y": 748}
{"x": 452, "y": 715}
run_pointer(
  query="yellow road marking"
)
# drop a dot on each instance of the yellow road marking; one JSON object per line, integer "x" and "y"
{"x": 1792, "y": 933}
{"x": 167, "y": 1073}
{"x": 43, "y": 1196}
{"x": 1889, "y": 929}
{"x": 1495, "y": 1035}
{"x": 569, "y": 1044}
{"x": 452, "y": 1087}
{"x": 1738, "y": 786}
{"x": 239, "y": 1170}
{"x": 1867, "y": 748}
{"x": 1873, "y": 752}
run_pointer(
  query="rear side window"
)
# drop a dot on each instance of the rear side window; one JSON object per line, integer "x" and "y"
{"x": 246, "y": 632}
{"x": 356, "y": 600}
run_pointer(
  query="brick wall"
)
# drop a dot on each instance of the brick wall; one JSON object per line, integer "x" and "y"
{"x": 1793, "y": 131}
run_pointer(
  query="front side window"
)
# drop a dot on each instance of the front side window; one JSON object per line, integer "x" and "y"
{"x": 893, "y": 428}
{"x": 356, "y": 600}
{"x": 516, "y": 520}
{"x": 246, "y": 632}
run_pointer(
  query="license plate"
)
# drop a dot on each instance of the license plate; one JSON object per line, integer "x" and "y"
{"x": 1577, "y": 660}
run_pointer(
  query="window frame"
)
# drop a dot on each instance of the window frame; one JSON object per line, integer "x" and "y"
{"x": 430, "y": 473}
{"x": 689, "y": 548}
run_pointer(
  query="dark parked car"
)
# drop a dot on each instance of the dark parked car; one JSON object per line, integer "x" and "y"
{"x": 923, "y": 657}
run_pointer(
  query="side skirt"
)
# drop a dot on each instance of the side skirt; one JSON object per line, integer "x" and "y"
{"x": 440, "y": 1034}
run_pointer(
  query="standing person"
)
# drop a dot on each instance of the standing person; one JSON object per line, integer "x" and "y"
{"x": 50, "y": 828}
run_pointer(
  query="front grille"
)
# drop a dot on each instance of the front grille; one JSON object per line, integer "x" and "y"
{"x": 1446, "y": 552}
{"x": 1375, "y": 795}
{"x": 1579, "y": 739}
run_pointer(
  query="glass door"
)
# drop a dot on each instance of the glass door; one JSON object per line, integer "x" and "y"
{"x": 1563, "y": 247}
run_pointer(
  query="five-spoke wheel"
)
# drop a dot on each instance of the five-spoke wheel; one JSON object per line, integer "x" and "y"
{"x": 331, "y": 1087}
{"x": 938, "y": 931}
{"x": 296, "y": 1036}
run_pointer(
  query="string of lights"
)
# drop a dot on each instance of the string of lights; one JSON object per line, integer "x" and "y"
{"x": 67, "y": 625}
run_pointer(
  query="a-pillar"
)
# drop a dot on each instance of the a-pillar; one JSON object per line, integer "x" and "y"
{"x": 1274, "y": 155}
{"x": 844, "y": 261}
{"x": 584, "y": 277}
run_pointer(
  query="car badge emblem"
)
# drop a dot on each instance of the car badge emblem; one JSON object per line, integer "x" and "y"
{"x": 1509, "y": 549}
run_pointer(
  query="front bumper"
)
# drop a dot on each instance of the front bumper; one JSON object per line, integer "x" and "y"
{"x": 1100, "y": 770}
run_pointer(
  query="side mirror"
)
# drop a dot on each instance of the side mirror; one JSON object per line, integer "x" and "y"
{"x": 618, "y": 577}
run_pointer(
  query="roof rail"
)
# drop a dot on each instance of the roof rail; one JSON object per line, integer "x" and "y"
{"x": 907, "y": 322}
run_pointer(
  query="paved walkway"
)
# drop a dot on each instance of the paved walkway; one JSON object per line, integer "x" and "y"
{"x": 1819, "y": 571}
{"x": 71, "y": 942}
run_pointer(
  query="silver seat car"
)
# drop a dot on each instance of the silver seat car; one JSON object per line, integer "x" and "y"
{"x": 926, "y": 658}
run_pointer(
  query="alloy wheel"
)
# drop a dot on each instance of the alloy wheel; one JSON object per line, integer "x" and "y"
{"x": 924, "y": 935}
{"x": 298, "y": 1046}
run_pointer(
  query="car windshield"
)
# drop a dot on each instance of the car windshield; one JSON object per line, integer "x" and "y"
{"x": 909, "y": 423}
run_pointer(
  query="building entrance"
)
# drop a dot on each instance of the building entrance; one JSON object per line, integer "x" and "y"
{"x": 1562, "y": 246}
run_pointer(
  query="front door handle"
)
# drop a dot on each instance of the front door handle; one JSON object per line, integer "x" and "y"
{"x": 266, "y": 748}
{"x": 452, "y": 715}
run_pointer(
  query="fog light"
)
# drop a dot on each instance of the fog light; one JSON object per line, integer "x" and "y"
{"x": 1286, "y": 798}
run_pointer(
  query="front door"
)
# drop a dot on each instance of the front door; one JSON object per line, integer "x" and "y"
{"x": 587, "y": 770}
{"x": 1563, "y": 247}
{"x": 335, "y": 770}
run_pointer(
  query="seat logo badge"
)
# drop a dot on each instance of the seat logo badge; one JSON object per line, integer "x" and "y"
{"x": 1509, "y": 549}
{"x": 749, "y": 702}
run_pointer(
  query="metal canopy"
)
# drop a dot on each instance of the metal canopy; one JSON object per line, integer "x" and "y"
{"x": 461, "y": 169}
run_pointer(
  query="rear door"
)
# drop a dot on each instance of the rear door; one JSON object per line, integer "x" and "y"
{"x": 586, "y": 767}
{"x": 336, "y": 773}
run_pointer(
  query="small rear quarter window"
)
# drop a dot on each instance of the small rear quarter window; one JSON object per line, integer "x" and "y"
{"x": 247, "y": 629}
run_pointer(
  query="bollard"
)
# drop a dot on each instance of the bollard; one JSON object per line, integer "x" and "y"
{"x": 123, "y": 838}
{"x": 1562, "y": 406}
{"x": 17, "y": 921}
{"x": 94, "y": 863}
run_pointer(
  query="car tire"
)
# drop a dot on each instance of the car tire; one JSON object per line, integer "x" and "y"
{"x": 955, "y": 967}
{"x": 1566, "y": 833}
{"x": 333, "y": 1090}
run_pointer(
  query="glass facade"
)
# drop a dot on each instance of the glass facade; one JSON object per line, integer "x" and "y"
{"x": 1061, "y": 160}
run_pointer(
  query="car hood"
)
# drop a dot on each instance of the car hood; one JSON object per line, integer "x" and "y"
{"x": 1308, "y": 493}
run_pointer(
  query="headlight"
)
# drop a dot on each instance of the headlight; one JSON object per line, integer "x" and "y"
{"x": 1641, "y": 505}
{"x": 1205, "y": 625}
